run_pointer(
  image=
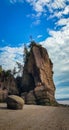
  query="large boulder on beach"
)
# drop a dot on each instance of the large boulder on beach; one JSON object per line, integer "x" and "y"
{"x": 37, "y": 81}
{"x": 15, "y": 102}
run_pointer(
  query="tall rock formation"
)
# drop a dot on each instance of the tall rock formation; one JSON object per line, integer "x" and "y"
{"x": 37, "y": 81}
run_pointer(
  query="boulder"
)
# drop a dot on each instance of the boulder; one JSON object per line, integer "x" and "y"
{"x": 15, "y": 102}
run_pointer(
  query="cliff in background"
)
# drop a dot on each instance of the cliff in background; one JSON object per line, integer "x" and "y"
{"x": 7, "y": 86}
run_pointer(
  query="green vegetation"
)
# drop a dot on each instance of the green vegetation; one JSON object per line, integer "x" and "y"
{"x": 33, "y": 43}
{"x": 0, "y": 68}
{"x": 26, "y": 54}
{"x": 27, "y": 51}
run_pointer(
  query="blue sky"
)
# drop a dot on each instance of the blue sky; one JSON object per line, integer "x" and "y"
{"x": 47, "y": 21}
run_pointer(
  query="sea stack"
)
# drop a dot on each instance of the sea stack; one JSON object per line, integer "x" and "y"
{"x": 37, "y": 80}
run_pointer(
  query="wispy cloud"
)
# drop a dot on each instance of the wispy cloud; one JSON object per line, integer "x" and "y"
{"x": 59, "y": 14}
{"x": 15, "y": 1}
{"x": 41, "y": 6}
{"x": 37, "y": 22}
{"x": 39, "y": 36}
{"x": 38, "y": 5}
{"x": 63, "y": 21}
{"x": 62, "y": 95}
{"x": 62, "y": 92}
{"x": 56, "y": 8}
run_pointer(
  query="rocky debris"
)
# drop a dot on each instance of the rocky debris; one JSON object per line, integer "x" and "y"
{"x": 37, "y": 81}
{"x": 15, "y": 102}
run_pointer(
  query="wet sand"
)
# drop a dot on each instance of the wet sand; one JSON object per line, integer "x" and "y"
{"x": 33, "y": 117}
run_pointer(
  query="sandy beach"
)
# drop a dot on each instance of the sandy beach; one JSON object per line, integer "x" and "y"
{"x": 34, "y": 117}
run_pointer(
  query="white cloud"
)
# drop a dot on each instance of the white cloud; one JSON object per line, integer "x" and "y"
{"x": 39, "y": 36}
{"x": 15, "y": 1}
{"x": 66, "y": 10}
{"x": 62, "y": 92}
{"x": 36, "y": 22}
{"x": 39, "y": 6}
{"x": 58, "y": 4}
{"x": 10, "y": 55}
{"x": 58, "y": 45}
{"x": 59, "y": 14}
{"x": 62, "y": 95}
{"x": 63, "y": 21}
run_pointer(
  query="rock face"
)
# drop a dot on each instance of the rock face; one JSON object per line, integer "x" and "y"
{"x": 3, "y": 95}
{"x": 15, "y": 102}
{"x": 7, "y": 86}
{"x": 37, "y": 80}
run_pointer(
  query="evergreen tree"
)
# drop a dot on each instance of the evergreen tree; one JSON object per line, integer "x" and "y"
{"x": 0, "y": 68}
